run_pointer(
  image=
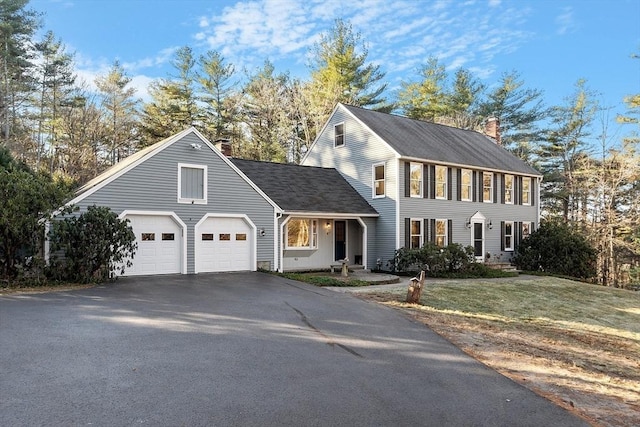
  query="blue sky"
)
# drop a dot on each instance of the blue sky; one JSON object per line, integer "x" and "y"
{"x": 551, "y": 43}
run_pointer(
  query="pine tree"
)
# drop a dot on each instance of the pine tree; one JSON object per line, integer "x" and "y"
{"x": 17, "y": 27}
{"x": 519, "y": 110}
{"x": 340, "y": 73}
{"x": 173, "y": 107}
{"x": 120, "y": 112}
{"x": 265, "y": 114}
{"x": 564, "y": 152}
{"x": 56, "y": 82}
{"x": 218, "y": 95}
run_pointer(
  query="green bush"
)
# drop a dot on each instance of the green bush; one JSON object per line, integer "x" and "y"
{"x": 26, "y": 201}
{"x": 433, "y": 259}
{"x": 555, "y": 248}
{"x": 93, "y": 246}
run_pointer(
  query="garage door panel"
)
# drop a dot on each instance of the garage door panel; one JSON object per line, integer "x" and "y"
{"x": 159, "y": 245}
{"x": 224, "y": 244}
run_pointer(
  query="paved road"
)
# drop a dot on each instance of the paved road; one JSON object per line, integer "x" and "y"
{"x": 240, "y": 350}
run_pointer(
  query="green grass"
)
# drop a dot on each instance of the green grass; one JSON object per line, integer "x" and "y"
{"x": 324, "y": 279}
{"x": 548, "y": 300}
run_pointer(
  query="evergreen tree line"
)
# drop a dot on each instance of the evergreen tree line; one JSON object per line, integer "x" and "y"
{"x": 54, "y": 123}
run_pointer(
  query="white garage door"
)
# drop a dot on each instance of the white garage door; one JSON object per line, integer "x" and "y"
{"x": 223, "y": 244}
{"x": 159, "y": 240}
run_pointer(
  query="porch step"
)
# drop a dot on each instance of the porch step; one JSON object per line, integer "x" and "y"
{"x": 504, "y": 266}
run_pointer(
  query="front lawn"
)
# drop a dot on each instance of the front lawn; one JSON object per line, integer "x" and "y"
{"x": 575, "y": 343}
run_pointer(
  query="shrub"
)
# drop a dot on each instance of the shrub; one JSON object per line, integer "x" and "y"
{"x": 434, "y": 259}
{"x": 93, "y": 246}
{"x": 27, "y": 199}
{"x": 555, "y": 248}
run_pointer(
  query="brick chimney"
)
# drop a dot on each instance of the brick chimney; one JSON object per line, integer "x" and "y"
{"x": 492, "y": 129}
{"x": 224, "y": 145}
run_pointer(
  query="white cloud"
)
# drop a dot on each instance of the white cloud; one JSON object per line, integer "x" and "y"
{"x": 162, "y": 57}
{"x": 565, "y": 21}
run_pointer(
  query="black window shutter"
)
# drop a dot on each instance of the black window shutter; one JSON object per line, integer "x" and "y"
{"x": 432, "y": 231}
{"x": 425, "y": 230}
{"x": 502, "y": 232}
{"x": 449, "y": 232}
{"x": 519, "y": 192}
{"x": 474, "y": 186}
{"x": 407, "y": 233}
{"x": 480, "y": 187}
{"x": 425, "y": 181}
{"x": 449, "y": 184}
{"x": 459, "y": 184}
{"x": 432, "y": 181}
{"x": 502, "y": 188}
{"x": 517, "y": 232}
{"x": 407, "y": 179}
{"x": 495, "y": 188}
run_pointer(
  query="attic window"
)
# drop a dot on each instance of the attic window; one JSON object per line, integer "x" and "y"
{"x": 338, "y": 135}
{"x": 192, "y": 184}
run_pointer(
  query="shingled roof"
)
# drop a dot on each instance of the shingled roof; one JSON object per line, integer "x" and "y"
{"x": 434, "y": 142}
{"x": 297, "y": 188}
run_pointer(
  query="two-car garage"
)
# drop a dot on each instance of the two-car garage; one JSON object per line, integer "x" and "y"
{"x": 221, "y": 243}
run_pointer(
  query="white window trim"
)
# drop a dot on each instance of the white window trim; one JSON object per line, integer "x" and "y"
{"x": 314, "y": 227}
{"x": 470, "y": 185}
{"x": 528, "y": 193}
{"x": 344, "y": 136}
{"x": 513, "y": 180}
{"x": 446, "y": 183}
{"x": 421, "y": 186}
{"x": 205, "y": 178}
{"x": 374, "y": 180}
{"x": 490, "y": 200}
{"x": 446, "y": 231}
{"x": 530, "y": 224}
{"x": 512, "y": 235}
{"x": 411, "y": 235}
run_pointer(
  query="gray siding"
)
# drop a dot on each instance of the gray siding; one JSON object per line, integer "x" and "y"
{"x": 153, "y": 186}
{"x": 460, "y": 212}
{"x": 362, "y": 149}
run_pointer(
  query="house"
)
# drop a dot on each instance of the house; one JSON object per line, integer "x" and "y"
{"x": 370, "y": 183}
{"x": 431, "y": 182}
{"x": 193, "y": 209}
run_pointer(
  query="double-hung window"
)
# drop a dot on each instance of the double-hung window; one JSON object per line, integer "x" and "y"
{"x": 416, "y": 180}
{"x": 441, "y": 182}
{"x": 526, "y": 229}
{"x": 441, "y": 232}
{"x": 192, "y": 184}
{"x": 378, "y": 180}
{"x": 508, "y": 189}
{"x": 508, "y": 235}
{"x": 526, "y": 191}
{"x": 302, "y": 233}
{"x": 487, "y": 187}
{"x": 338, "y": 135}
{"x": 465, "y": 185}
{"x": 416, "y": 233}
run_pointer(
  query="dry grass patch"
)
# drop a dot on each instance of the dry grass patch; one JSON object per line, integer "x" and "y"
{"x": 576, "y": 344}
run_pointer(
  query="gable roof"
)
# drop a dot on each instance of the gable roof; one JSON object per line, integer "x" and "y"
{"x": 298, "y": 188}
{"x": 417, "y": 139}
{"x": 135, "y": 159}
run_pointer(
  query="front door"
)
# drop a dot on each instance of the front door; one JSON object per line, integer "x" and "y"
{"x": 478, "y": 239}
{"x": 340, "y": 233}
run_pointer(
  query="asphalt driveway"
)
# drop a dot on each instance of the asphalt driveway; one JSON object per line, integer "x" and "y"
{"x": 240, "y": 349}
